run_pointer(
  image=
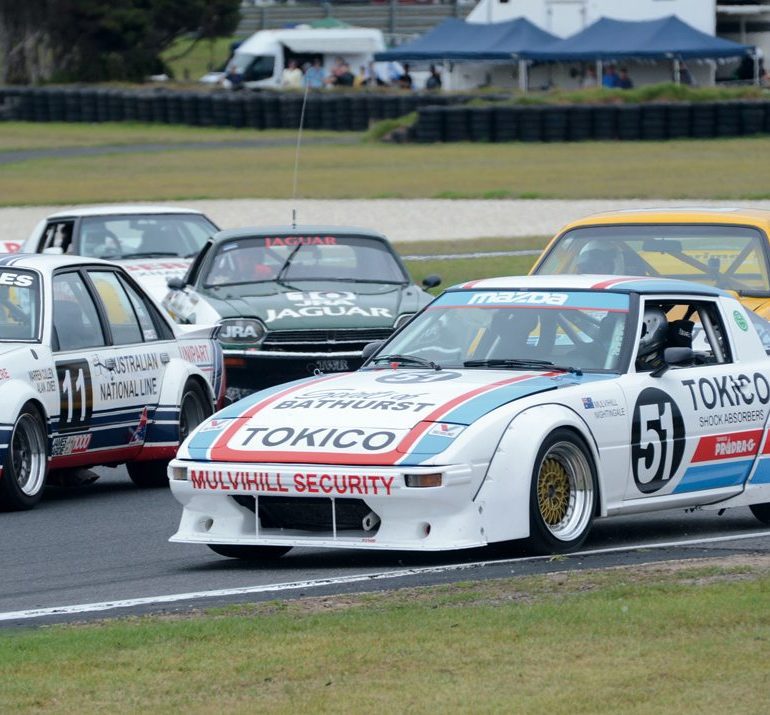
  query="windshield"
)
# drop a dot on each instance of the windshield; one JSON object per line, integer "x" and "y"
{"x": 730, "y": 257}
{"x": 516, "y": 329}
{"x": 143, "y": 236}
{"x": 19, "y": 305}
{"x": 293, "y": 259}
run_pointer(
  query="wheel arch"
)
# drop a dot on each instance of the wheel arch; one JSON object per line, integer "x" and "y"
{"x": 178, "y": 372}
{"x": 16, "y": 394}
{"x": 504, "y": 493}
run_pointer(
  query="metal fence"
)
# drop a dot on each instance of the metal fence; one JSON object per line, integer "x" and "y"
{"x": 397, "y": 20}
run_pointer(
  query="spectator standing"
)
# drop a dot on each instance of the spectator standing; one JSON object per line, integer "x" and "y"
{"x": 434, "y": 79}
{"x": 610, "y": 79}
{"x": 624, "y": 80}
{"x": 405, "y": 80}
{"x": 292, "y": 76}
{"x": 315, "y": 75}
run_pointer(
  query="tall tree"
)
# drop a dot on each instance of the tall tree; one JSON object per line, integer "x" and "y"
{"x": 25, "y": 46}
{"x": 97, "y": 40}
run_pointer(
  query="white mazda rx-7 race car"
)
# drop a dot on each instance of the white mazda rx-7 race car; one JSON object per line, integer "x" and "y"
{"x": 93, "y": 372}
{"x": 507, "y": 409}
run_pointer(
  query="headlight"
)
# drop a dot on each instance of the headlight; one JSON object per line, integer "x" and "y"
{"x": 240, "y": 331}
{"x": 402, "y": 320}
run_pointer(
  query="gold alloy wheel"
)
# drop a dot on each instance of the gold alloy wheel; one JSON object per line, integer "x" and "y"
{"x": 553, "y": 491}
{"x": 565, "y": 490}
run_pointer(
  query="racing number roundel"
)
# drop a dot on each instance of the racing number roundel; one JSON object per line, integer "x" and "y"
{"x": 657, "y": 440}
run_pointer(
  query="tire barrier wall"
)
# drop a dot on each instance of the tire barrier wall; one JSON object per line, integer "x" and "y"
{"x": 441, "y": 118}
{"x": 548, "y": 123}
{"x": 258, "y": 110}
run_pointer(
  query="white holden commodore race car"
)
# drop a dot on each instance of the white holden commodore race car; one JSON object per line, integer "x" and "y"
{"x": 153, "y": 243}
{"x": 507, "y": 409}
{"x": 93, "y": 372}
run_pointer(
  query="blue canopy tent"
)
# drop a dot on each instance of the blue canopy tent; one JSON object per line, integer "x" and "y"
{"x": 458, "y": 40}
{"x": 613, "y": 40}
{"x": 455, "y": 41}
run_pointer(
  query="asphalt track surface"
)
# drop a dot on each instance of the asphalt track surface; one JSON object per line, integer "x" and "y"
{"x": 102, "y": 551}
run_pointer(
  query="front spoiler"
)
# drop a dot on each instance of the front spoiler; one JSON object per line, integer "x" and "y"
{"x": 410, "y": 518}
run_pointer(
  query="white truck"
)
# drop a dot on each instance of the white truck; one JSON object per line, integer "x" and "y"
{"x": 261, "y": 59}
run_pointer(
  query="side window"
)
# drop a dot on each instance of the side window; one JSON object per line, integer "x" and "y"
{"x": 142, "y": 311}
{"x": 75, "y": 319}
{"x": 56, "y": 235}
{"x": 120, "y": 312}
{"x": 668, "y": 324}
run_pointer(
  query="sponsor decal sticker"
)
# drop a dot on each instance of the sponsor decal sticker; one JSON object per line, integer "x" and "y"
{"x": 310, "y": 438}
{"x": 20, "y": 280}
{"x": 657, "y": 440}
{"x": 216, "y": 425}
{"x": 443, "y": 429}
{"x": 609, "y": 407}
{"x": 518, "y": 297}
{"x": 265, "y": 482}
{"x": 195, "y": 353}
{"x": 139, "y": 432}
{"x": 728, "y": 446}
{"x": 740, "y": 321}
{"x": 315, "y": 304}
{"x": 411, "y": 377}
{"x": 43, "y": 379}
{"x": 73, "y": 444}
{"x": 271, "y": 241}
{"x": 355, "y": 400}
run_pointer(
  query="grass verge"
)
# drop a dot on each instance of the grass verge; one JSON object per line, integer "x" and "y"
{"x": 686, "y": 169}
{"x": 682, "y": 637}
{"x": 458, "y": 270}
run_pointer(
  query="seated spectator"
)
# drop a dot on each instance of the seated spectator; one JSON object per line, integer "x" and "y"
{"x": 315, "y": 74}
{"x": 434, "y": 79}
{"x": 624, "y": 80}
{"x": 292, "y": 76}
{"x": 233, "y": 78}
{"x": 340, "y": 76}
{"x": 362, "y": 78}
{"x": 589, "y": 78}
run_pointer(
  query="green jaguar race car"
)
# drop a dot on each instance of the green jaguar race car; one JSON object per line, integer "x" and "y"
{"x": 295, "y": 301}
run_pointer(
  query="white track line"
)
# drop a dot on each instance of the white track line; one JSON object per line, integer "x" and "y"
{"x": 318, "y": 583}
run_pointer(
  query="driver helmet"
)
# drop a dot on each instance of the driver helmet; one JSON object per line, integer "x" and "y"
{"x": 654, "y": 334}
{"x": 600, "y": 257}
{"x": 93, "y": 243}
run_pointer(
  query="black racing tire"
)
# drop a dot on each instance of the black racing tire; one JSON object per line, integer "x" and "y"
{"x": 26, "y": 462}
{"x": 762, "y": 512}
{"x": 250, "y": 553}
{"x": 563, "y": 494}
{"x": 194, "y": 407}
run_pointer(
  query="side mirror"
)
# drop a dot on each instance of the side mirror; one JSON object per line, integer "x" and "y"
{"x": 175, "y": 283}
{"x": 677, "y": 356}
{"x": 431, "y": 281}
{"x": 371, "y": 348}
{"x": 54, "y": 251}
{"x": 673, "y": 356}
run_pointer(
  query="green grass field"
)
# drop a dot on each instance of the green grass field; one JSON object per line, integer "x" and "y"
{"x": 684, "y": 638}
{"x": 686, "y": 169}
{"x": 458, "y": 270}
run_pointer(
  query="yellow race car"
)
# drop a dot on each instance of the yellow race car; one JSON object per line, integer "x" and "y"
{"x": 727, "y": 248}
